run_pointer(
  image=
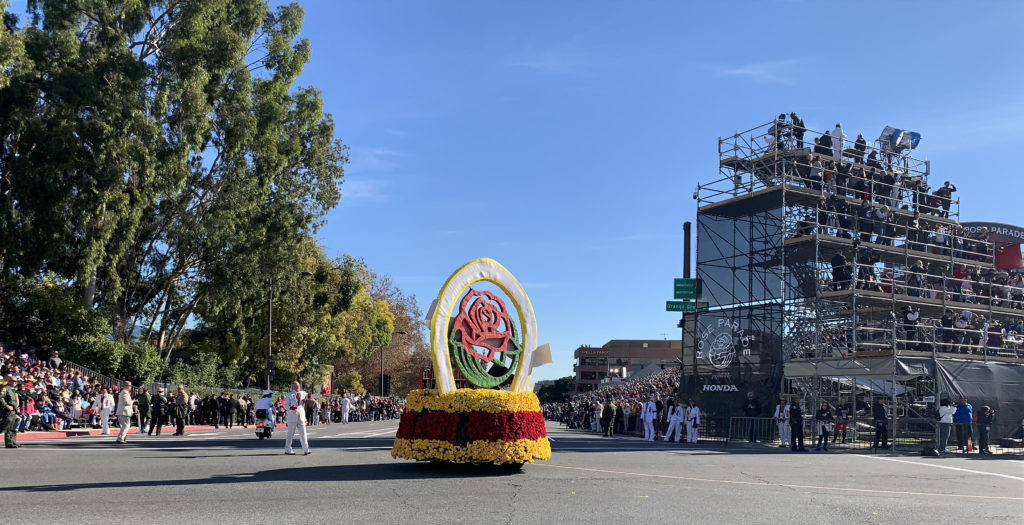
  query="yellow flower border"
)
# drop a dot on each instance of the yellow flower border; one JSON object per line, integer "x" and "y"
{"x": 472, "y": 400}
{"x": 519, "y": 451}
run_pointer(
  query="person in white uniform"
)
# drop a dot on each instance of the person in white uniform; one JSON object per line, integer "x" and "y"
{"x": 781, "y": 418}
{"x": 838, "y": 138}
{"x": 647, "y": 415}
{"x": 296, "y": 419}
{"x": 106, "y": 405}
{"x": 692, "y": 422}
{"x": 346, "y": 407}
{"x": 676, "y": 415}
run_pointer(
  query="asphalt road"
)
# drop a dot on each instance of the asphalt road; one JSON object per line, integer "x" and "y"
{"x": 228, "y": 477}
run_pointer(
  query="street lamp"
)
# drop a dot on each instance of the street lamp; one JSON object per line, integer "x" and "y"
{"x": 382, "y": 363}
{"x": 270, "y": 327}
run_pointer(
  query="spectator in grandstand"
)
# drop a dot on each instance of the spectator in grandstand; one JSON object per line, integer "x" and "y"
{"x": 985, "y": 420}
{"x": 910, "y": 320}
{"x": 838, "y": 139}
{"x": 915, "y": 278}
{"x": 962, "y": 418}
{"x": 814, "y": 178}
{"x": 865, "y": 222}
{"x": 944, "y": 197}
{"x": 823, "y": 425}
{"x": 55, "y": 362}
{"x": 872, "y": 161}
{"x": 840, "y": 272}
{"x": 798, "y": 130}
{"x": 823, "y": 145}
{"x": 860, "y": 146}
{"x": 880, "y": 416}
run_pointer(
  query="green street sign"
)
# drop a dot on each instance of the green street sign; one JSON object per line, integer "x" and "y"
{"x": 687, "y": 289}
{"x": 686, "y": 306}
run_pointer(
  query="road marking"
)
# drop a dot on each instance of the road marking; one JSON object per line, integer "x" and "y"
{"x": 1018, "y": 478}
{"x": 203, "y": 434}
{"x": 784, "y": 485}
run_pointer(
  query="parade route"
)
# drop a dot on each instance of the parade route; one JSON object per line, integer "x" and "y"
{"x": 208, "y": 476}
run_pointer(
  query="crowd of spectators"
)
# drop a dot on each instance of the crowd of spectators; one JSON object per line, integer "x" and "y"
{"x": 330, "y": 409}
{"x": 50, "y": 396}
{"x": 623, "y": 399}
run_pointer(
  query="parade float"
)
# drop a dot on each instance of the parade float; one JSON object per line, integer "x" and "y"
{"x": 494, "y": 349}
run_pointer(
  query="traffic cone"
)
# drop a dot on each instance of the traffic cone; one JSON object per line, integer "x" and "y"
{"x": 970, "y": 445}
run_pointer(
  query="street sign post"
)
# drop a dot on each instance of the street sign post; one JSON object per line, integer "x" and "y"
{"x": 687, "y": 289}
{"x": 686, "y": 306}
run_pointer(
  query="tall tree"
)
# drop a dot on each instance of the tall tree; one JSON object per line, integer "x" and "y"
{"x": 164, "y": 155}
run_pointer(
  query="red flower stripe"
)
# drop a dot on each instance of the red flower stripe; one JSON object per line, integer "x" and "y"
{"x": 480, "y": 426}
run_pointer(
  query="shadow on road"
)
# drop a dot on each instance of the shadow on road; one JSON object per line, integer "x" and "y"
{"x": 329, "y": 473}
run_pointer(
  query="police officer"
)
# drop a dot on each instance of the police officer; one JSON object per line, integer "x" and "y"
{"x": 296, "y": 419}
{"x": 180, "y": 411}
{"x": 796, "y": 425}
{"x": 158, "y": 406}
{"x": 9, "y": 403}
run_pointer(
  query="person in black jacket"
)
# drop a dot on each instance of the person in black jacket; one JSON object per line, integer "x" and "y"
{"x": 840, "y": 272}
{"x": 231, "y": 409}
{"x": 158, "y": 410}
{"x": 798, "y": 130}
{"x": 752, "y": 409}
{"x": 796, "y": 425}
{"x": 881, "y": 418}
{"x": 860, "y": 146}
{"x": 823, "y": 424}
{"x": 985, "y": 419}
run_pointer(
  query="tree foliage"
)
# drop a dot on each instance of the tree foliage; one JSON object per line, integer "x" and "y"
{"x": 556, "y": 392}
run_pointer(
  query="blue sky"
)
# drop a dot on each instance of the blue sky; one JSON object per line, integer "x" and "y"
{"x": 565, "y": 139}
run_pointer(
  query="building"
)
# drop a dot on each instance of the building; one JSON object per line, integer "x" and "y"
{"x": 620, "y": 358}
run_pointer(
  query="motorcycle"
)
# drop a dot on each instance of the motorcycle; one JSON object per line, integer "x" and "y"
{"x": 264, "y": 424}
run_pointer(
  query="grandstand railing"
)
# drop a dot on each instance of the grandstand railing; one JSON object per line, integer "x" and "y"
{"x": 761, "y": 158}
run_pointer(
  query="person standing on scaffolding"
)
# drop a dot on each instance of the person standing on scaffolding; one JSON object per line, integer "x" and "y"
{"x": 798, "y": 130}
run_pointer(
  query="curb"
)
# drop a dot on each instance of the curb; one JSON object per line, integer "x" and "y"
{"x": 57, "y": 434}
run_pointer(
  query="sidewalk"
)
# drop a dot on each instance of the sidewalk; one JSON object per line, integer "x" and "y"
{"x": 53, "y": 434}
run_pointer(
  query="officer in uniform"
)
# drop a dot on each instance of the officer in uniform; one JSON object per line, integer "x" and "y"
{"x": 9, "y": 403}
{"x": 296, "y": 419}
{"x": 796, "y": 426}
{"x": 180, "y": 410}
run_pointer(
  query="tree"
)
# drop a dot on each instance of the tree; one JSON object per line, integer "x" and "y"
{"x": 350, "y": 382}
{"x": 164, "y": 156}
{"x": 557, "y": 392}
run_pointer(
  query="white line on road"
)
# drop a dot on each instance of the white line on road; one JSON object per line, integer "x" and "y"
{"x": 204, "y": 434}
{"x": 1018, "y": 478}
{"x": 784, "y": 485}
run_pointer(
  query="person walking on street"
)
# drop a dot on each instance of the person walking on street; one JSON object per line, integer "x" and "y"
{"x": 180, "y": 411}
{"x": 608, "y": 418}
{"x": 296, "y": 419}
{"x": 9, "y": 403}
{"x": 881, "y": 418}
{"x": 142, "y": 414}
{"x": 346, "y": 407}
{"x": 159, "y": 409}
{"x": 962, "y": 418}
{"x": 796, "y": 425}
{"x": 675, "y": 421}
{"x": 124, "y": 412}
